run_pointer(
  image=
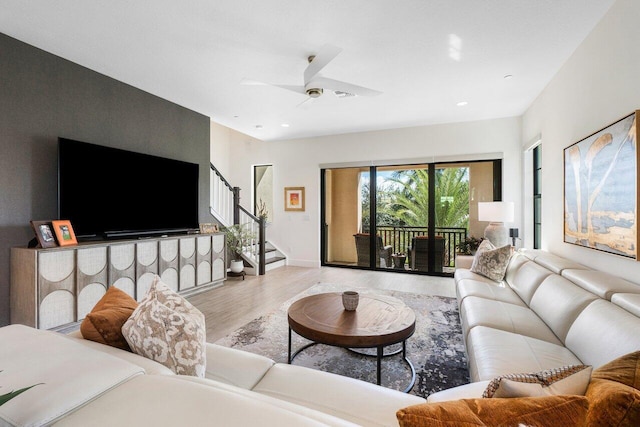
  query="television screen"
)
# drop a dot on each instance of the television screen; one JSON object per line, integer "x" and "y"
{"x": 107, "y": 192}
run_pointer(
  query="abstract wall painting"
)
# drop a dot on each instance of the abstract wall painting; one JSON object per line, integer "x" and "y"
{"x": 601, "y": 189}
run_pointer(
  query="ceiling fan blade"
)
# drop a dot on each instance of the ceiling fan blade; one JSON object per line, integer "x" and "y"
{"x": 293, "y": 88}
{"x": 332, "y": 84}
{"x": 326, "y": 54}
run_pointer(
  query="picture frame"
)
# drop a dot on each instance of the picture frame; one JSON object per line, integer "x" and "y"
{"x": 44, "y": 234}
{"x": 207, "y": 228}
{"x": 601, "y": 189}
{"x": 64, "y": 233}
{"x": 294, "y": 199}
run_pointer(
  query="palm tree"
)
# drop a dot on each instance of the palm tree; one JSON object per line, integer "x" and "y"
{"x": 410, "y": 202}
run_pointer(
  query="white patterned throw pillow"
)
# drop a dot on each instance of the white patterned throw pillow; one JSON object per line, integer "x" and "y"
{"x": 491, "y": 262}
{"x": 167, "y": 328}
{"x": 572, "y": 379}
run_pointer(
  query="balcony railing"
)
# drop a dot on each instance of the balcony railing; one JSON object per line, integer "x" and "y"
{"x": 400, "y": 238}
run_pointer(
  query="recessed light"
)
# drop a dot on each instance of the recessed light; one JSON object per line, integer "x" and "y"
{"x": 462, "y": 103}
{"x": 508, "y": 76}
{"x": 285, "y": 125}
{"x": 258, "y": 126}
{"x": 236, "y": 116}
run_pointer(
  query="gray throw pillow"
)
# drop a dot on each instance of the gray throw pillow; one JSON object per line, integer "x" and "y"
{"x": 491, "y": 262}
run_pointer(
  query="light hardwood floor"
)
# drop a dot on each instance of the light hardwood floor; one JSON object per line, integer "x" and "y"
{"x": 237, "y": 302}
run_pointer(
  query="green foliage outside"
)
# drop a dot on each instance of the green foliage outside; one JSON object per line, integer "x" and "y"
{"x": 403, "y": 199}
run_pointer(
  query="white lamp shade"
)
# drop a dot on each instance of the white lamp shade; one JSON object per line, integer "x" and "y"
{"x": 495, "y": 211}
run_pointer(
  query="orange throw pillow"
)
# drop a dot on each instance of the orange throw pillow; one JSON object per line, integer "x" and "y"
{"x": 614, "y": 398}
{"x": 548, "y": 411}
{"x": 104, "y": 323}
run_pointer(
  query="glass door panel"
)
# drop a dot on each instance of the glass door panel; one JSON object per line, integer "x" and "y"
{"x": 402, "y": 215}
{"x": 344, "y": 226}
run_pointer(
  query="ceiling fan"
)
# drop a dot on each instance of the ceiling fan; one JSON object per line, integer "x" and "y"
{"x": 315, "y": 84}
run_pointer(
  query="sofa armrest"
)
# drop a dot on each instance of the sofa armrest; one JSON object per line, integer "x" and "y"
{"x": 464, "y": 261}
{"x": 236, "y": 367}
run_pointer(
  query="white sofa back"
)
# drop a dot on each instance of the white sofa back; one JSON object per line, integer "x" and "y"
{"x": 594, "y": 313}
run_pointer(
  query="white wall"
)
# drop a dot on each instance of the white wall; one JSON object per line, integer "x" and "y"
{"x": 598, "y": 85}
{"x": 297, "y": 164}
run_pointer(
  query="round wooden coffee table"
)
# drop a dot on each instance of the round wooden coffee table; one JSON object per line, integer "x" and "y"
{"x": 379, "y": 321}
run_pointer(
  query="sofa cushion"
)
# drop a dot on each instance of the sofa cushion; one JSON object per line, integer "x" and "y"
{"x": 340, "y": 396}
{"x": 490, "y": 261}
{"x": 630, "y": 302}
{"x": 516, "y": 261}
{"x": 614, "y": 398}
{"x": 150, "y": 367}
{"x": 601, "y": 283}
{"x": 564, "y": 380}
{"x": 104, "y": 323}
{"x": 493, "y": 352}
{"x": 549, "y": 411}
{"x": 555, "y": 263}
{"x": 168, "y": 329}
{"x": 466, "y": 274}
{"x": 163, "y": 401}
{"x": 526, "y": 280}
{"x": 476, "y": 311}
{"x": 69, "y": 375}
{"x": 558, "y": 302}
{"x": 492, "y": 291}
{"x": 236, "y": 367}
{"x": 592, "y": 338}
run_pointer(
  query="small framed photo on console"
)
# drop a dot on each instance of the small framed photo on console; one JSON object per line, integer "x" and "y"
{"x": 64, "y": 233}
{"x": 206, "y": 228}
{"x": 44, "y": 233}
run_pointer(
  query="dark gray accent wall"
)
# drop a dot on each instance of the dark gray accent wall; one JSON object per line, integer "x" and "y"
{"x": 43, "y": 97}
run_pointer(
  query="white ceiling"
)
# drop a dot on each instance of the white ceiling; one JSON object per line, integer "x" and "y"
{"x": 424, "y": 55}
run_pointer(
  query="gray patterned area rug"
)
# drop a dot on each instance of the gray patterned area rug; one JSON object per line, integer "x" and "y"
{"x": 436, "y": 348}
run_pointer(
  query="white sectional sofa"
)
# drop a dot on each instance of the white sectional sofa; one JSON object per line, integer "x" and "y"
{"x": 548, "y": 312}
{"x": 84, "y": 383}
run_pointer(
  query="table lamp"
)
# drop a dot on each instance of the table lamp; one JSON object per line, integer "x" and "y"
{"x": 497, "y": 213}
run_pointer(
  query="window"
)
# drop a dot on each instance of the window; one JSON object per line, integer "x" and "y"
{"x": 537, "y": 197}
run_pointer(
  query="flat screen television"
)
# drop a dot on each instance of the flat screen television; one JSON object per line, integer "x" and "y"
{"x": 112, "y": 193}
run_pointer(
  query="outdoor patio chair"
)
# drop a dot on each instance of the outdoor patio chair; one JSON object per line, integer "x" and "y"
{"x": 419, "y": 254}
{"x": 362, "y": 249}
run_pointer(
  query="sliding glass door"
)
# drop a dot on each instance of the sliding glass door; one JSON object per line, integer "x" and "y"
{"x": 406, "y": 218}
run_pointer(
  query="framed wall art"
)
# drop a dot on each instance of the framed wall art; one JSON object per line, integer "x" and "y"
{"x": 601, "y": 189}
{"x": 44, "y": 233}
{"x": 294, "y": 199}
{"x": 64, "y": 233}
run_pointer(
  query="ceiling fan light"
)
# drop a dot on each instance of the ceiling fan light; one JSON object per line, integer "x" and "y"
{"x": 314, "y": 92}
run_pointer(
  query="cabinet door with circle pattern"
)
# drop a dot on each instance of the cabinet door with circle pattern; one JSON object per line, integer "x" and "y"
{"x": 146, "y": 266}
{"x": 122, "y": 267}
{"x": 91, "y": 278}
{"x": 168, "y": 259}
{"x": 218, "y": 264}
{"x": 56, "y": 288}
{"x": 187, "y": 263}
{"x": 203, "y": 260}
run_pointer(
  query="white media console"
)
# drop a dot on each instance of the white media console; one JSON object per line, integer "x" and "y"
{"x": 55, "y": 288}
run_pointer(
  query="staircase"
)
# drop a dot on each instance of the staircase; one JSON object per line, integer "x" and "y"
{"x": 273, "y": 259}
{"x": 259, "y": 255}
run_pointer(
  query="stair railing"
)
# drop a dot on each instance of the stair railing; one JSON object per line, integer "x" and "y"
{"x": 223, "y": 198}
{"x": 225, "y": 206}
{"x": 256, "y": 248}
